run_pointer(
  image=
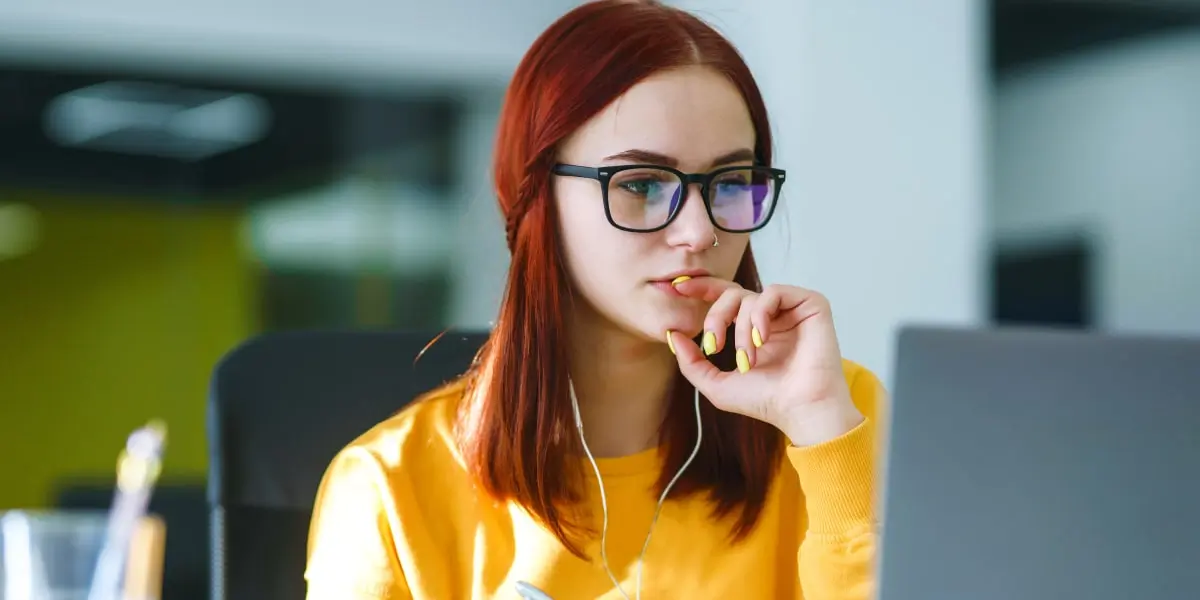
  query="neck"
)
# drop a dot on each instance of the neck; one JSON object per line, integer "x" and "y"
{"x": 621, "y": 381}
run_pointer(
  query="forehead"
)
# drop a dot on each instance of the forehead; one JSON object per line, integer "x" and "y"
{"x": 694, "y": 114}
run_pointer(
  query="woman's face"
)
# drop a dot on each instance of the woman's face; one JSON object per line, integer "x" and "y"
{"x": 694, "y": 120}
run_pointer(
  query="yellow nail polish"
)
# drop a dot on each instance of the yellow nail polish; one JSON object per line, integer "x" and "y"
{"x": 755, "y": 337}
{"x": 743, "y": 361}
{"x": 670, "y": 344}
{"x": 709, "y": 343}
{"x": 680, "y": 279}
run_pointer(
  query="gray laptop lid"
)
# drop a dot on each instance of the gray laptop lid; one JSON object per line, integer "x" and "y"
{"x": 1042, "y": 465}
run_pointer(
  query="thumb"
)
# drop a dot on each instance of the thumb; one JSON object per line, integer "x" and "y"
{"x": 694, "y": 365}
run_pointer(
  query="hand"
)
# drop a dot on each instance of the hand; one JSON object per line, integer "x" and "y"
{"x": 789, "y": 363}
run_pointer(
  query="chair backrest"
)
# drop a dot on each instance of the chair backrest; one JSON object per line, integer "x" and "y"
{"x": 280, "y": 407}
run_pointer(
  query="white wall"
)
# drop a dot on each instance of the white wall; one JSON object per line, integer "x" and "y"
{"x": 878, "y": 113}
{"x": 879, "y": 117}
{"x": 481, "y": 259}
{"x": 1110, "y": 142}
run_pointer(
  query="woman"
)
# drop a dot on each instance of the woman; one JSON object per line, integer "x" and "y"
{"x": 631, "y": 167}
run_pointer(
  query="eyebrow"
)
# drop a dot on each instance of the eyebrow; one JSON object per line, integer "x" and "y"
{"x": 646, "y": 156}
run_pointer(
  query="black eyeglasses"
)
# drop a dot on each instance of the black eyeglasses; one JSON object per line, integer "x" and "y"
{"x": 645, "y": 198}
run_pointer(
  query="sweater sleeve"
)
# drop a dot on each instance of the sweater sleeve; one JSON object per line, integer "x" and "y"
{"x": 837, "y": 555}
{"x": 351, "y": 554}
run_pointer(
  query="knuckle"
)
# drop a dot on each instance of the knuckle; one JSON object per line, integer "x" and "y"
{"x": 717, "y": 316}
{"x": 746, "y": 312}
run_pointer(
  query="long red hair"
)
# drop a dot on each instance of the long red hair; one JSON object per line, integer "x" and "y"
{"x": 518, "y": 434}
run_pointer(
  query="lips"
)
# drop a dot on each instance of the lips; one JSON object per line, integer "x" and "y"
{"x": 666, "y": 287}
{"x": 679, "y": 276}
{"x": 668, "y": 283}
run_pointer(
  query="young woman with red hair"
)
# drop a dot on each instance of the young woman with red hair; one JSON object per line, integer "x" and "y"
{"x": 577, "y": 458}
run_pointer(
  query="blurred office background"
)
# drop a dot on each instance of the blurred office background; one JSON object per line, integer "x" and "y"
{"x": 177, "y": 177}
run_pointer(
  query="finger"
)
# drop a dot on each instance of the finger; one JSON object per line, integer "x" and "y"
{"x": 783, "y": 307}
{"x": 696, "y": 367}
{"x": 746, "y": 352}
{"x": 707, "y": 289}
{"x": 763, "y": 315}
{"x": 720, "y": 316}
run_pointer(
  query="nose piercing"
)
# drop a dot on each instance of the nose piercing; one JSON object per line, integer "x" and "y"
{"x": 716, "y": 241}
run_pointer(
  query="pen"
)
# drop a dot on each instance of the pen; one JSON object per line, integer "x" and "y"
{"x": 138, "y": 467}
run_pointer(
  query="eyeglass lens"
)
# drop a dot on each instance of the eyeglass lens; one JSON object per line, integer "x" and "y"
{"x": 646, "y": 198}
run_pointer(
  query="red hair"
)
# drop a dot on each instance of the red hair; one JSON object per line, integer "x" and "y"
{"x": 518, "y": 434}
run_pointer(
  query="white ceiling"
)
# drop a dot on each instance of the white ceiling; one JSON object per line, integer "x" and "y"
{"x": 342, "y": 40}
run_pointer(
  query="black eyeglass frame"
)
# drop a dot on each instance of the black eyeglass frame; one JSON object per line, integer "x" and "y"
{"x": 605, "y": 174}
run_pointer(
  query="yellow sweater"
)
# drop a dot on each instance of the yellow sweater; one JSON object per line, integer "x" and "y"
{"x": 397, "y": 517}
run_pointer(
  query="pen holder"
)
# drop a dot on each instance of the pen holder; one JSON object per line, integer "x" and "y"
{"x": 52, "y": 555}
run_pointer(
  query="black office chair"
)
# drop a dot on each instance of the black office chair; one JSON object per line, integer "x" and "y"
{"x": 280, "y": 407}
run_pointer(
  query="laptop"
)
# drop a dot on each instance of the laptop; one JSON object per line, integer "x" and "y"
{"x": 1042, "y": 465}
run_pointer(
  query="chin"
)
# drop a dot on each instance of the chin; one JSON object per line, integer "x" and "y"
{"x": 685, "y": 321}
{"x": 652, "y": 317}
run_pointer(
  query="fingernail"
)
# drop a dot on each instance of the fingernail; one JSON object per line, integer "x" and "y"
{"x": 755, "y": 337}
{"x": 670, "y": 343}
{"x": 743, "y": 361}
{"x": 680, "y": 279}
{"x": 709, "y": 343}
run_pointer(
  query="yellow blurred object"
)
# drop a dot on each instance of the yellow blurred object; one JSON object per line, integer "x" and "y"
{"x": 143, "y": 572}
{"x": 123, "y": 309}
{"x": 20, "y": 229}
{"x": 139, "y": 472}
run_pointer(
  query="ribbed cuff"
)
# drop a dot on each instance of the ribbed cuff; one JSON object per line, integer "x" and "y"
{"x": 838, "y": 480}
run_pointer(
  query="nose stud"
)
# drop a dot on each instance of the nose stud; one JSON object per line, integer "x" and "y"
{"x": 716, "y": 241}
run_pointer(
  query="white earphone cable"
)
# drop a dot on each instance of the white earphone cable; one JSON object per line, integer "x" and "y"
{"x": 604, "y": 499}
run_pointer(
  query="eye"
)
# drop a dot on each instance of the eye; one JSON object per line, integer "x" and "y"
{"x": 640, "y": 187}
{"x": 732, "y": 183}
{"x": 644, "y": 185}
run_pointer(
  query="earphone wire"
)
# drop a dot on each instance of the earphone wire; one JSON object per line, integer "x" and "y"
{"x": 604, "y": 499}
